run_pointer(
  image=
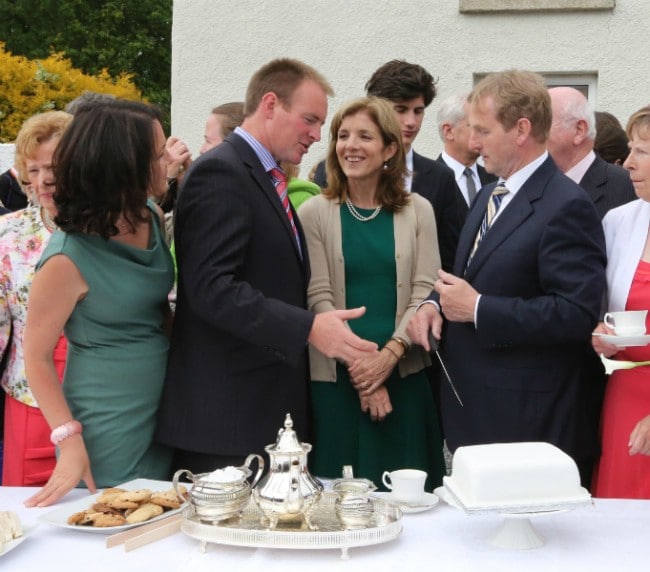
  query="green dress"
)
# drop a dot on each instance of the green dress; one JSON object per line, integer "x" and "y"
{"x": 117, "y": 352}
{"x": 409, "y": 437}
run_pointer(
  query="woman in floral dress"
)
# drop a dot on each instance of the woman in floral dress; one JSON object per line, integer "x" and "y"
{"x": 28, "y": 455}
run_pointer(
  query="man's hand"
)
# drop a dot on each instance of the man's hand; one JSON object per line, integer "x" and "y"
{"x": 331, "y": 336}
{"x": 457, "y": 297}
{"x": 426, "y": 319}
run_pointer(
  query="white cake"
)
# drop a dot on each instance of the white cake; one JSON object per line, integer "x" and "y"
{"x": 517, "y": 475}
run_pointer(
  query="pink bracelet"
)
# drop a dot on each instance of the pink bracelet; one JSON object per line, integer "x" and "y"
{"x": 64, "y": 431}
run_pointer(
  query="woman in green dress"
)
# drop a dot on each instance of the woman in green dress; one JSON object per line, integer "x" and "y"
{"x": 103, "y": 279}
{"x": 372, "y": 244}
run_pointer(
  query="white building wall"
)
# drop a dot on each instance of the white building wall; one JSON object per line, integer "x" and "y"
{"x": 218, "y": 44}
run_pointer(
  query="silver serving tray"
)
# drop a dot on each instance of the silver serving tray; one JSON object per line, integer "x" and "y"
{"x": 385, "y": 525}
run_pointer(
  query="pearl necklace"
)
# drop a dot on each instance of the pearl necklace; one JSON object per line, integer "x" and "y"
{"x": 48, "y": 221}
{"x": 356, "y": 214}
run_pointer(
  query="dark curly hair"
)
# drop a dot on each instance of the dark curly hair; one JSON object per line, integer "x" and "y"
{"x": 398, "y": 80}
{"x": 104, "y": 167}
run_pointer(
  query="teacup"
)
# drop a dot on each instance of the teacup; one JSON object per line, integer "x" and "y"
{"x": 627, "y": 323}
{"x": 407, "y": 485}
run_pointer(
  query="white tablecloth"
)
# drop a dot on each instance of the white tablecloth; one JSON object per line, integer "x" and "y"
{"x": 610, "y": 535}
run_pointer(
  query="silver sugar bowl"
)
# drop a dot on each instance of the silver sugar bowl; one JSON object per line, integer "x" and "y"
{"x": 288, "y": 492}
{"x": 353, "y": 505}
{"x": 222, "y": 494}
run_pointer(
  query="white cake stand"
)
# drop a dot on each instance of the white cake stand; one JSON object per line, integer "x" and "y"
{"x": 516, "y": 531}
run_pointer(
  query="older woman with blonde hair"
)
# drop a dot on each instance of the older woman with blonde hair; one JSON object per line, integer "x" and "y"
{"x": 28, "y": 457}
{"x": 624, "y": 467}
{"x": 372, "y": 244}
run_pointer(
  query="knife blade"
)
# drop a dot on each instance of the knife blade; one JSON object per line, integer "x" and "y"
{"x": 435, "y": 346}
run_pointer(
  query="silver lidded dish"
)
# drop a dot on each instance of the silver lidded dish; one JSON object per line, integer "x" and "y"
{"x": 222, "y": 494}
{"x": 353, "y": 507}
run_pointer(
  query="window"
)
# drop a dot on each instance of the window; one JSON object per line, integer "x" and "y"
{"x": 478, "y": 6}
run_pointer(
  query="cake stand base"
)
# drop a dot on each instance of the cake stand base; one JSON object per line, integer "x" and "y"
{"x": 517, "y": 532}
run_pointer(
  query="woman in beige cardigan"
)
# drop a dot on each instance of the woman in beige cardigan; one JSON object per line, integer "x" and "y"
{"x": 371, "y": 244}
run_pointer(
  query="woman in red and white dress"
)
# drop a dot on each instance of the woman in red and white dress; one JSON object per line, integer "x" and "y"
{"x": 624, "y": 467}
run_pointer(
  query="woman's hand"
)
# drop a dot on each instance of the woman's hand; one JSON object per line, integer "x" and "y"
{"x": 368, "y": 374}
{"x": 180, "y": 158}
{"x": 72, "y": 466}
{"x": 640, "y": 437}
{"x": 377, "y": 404}
{"x": 601, "y": 347}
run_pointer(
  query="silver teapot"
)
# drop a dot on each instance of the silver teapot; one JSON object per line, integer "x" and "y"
{"x": 288, "y": 493}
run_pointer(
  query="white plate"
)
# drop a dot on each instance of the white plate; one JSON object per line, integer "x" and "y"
{"x": 9, "y": 546}
{"x": 59, "y": 516}
{"x": 624, "y": 341}
{"x": 428, "y": 501}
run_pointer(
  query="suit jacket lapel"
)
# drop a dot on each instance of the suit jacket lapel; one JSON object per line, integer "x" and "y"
{"x": 516, "y": 212}
{"x": 267, "y": 188}
{"x": 594, "y": 180}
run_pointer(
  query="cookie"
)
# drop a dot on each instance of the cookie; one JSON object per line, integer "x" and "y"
{"x": 167, "y": 499}
{"x": 144, "y": 512}
{"x": 102, "y": 520}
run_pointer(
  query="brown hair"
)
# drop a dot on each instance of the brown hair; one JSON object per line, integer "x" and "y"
{"x": 36, "y": 130}
{"x": 398, "y": 80}
{"x": 104, "y": 167}
{"x": 232, "y": 114}
{"x": 518, "y": 94}
{"x": 611, "y": 142}
{"x": 282, "y": 77}
{"x": 391, "y": 193}
{"x": 639, "y": 123}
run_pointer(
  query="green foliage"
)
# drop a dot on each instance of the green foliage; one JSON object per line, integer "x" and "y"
{"x": 120, "y": 36}
{"x": 32, "y": 86}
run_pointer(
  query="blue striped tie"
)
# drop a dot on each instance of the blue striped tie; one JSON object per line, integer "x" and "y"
{"x": 498, "y": 194}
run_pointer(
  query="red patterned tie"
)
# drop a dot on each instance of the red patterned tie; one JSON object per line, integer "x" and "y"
{"x": 280, "y": 182}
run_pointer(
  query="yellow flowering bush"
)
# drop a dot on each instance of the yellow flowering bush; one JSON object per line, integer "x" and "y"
{"x": 29, "y": 86}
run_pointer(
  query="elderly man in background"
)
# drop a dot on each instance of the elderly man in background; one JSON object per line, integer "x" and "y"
{"x": 571, "y": 144}
{"x": 454, "y": 130}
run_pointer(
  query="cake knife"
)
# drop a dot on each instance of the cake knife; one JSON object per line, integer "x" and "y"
{"x": 435, "y": 346}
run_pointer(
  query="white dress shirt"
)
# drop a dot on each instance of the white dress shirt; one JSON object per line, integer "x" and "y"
{"x": 459, "y": 172}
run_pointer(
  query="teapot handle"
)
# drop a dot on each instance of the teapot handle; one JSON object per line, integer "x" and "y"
{"x": 177, "y": 475}
{"x": 260, "y": 466}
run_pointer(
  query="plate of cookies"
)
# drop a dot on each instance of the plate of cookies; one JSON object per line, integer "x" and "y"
{"x": 112, "y": 510}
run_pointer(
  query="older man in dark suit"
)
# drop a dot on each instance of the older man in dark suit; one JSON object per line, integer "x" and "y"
{"x": 527, "y": 284}
{"x": 238, "y": 355}
{"x": 571, "y": 144}
{"x": 453, "y": 128}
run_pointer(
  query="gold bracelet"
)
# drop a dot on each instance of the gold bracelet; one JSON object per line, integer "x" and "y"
{"x": 391, "y": 351}
{"x": 402, "y": 343}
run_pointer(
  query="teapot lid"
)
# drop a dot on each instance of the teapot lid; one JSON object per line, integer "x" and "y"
{"x": 287, "y": 441}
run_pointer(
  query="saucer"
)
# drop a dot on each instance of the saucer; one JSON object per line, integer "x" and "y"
{"x": 429, "y": 500}
{"x": 624, "y": 341}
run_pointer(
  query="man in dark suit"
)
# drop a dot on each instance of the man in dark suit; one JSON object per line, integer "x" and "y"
{"x": 521, "y": 305}
{"x": 571, "y": 144}
{"x": 453, "y": 128}
{"x": 238, "y": 355}
{"x": 410, "y": 89}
